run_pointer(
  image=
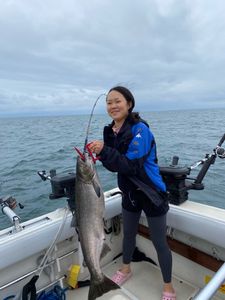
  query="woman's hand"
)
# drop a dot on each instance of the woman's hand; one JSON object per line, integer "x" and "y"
{"x": 96, "y": 146}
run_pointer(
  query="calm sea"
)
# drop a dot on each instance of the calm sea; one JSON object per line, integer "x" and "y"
{"x": 32, "y": 144}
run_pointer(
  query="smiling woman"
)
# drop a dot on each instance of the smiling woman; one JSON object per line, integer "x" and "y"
{"x": 129, "y": 149}
{"x": 117, "y": 108}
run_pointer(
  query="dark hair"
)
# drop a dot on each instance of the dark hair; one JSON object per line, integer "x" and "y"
{"x": 134, "y": 116}
{"x": 127, "y": 95}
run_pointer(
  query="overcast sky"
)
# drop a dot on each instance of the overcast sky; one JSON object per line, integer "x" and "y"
{"x": 58, "y": 56}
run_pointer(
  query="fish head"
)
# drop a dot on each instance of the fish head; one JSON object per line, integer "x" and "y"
{"x": 85, "y": 167}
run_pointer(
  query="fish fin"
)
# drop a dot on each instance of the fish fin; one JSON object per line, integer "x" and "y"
{"x": 97, "y": 289}
{"x": 105, "y": 250}
{"x": 97, "y": 188}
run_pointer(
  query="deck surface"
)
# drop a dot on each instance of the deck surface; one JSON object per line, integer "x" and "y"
{"x": 146, "y": 283}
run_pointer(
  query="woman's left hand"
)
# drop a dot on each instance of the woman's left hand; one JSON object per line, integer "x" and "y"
{"x": 96, "y": 146}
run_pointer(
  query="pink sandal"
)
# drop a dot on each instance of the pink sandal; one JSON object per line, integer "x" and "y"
{"x": 168, "y": 296}
{"x": 120, "y": 277}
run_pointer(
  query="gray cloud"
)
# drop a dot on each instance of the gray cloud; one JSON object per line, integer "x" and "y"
{"x": 59, "y": 56}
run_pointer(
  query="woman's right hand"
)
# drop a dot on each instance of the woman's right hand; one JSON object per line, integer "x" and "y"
{"x": 96, "y": 146}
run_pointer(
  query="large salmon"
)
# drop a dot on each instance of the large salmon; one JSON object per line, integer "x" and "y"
{"x": 90, "y": 207}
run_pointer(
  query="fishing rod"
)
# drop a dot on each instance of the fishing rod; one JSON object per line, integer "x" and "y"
{"x": 89, "y": 122}
{"x": 177, "y": 178}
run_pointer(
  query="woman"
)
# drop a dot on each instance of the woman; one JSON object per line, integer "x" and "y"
{"x": 129, "y": 149}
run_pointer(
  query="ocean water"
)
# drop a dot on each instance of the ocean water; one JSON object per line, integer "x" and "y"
{"x": 31, "y": 144}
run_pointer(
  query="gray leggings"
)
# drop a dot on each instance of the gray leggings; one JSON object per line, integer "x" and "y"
{"x": 157, "y": 227}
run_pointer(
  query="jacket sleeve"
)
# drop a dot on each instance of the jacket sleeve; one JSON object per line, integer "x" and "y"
{"x": 137, "y": 152}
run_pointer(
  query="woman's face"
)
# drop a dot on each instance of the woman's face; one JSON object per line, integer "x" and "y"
{"x": 117, "y": 106}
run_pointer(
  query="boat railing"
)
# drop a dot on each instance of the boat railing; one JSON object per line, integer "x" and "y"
{"x": 27, "y": 275}
{"x": 211, "y": 288}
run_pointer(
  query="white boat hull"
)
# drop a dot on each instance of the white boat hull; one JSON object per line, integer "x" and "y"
{"x": 196, "y": 225}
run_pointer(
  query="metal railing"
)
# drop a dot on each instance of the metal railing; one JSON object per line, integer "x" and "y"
{"x": 211, "y": 288}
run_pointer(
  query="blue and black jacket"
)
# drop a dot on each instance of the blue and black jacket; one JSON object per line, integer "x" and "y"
{"x": 132, "y": 154}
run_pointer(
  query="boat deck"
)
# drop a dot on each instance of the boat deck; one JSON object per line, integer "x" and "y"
{"x": 146, "y": 283}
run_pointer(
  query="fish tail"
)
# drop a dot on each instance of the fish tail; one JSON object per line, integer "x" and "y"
{"x": 97, "y": 289}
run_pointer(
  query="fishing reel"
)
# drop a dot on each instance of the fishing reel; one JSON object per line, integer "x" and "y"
{"x": 8, "y": 201}
{"x": 176, "y": 178}
{"x": 220, "y": 152}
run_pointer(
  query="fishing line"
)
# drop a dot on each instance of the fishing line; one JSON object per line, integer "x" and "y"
{"x": 44, "y": 261}
{"x": 89, "y": 122}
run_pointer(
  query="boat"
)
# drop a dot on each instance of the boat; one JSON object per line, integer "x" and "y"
{"x": 44, "y": 252}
